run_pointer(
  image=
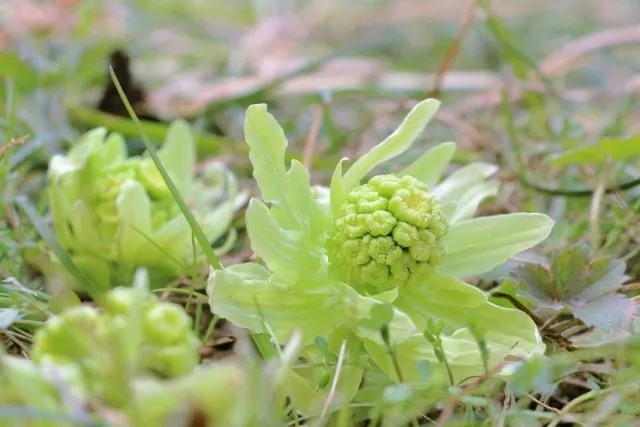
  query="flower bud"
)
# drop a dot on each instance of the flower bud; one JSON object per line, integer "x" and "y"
{"x": 387, "y": 228}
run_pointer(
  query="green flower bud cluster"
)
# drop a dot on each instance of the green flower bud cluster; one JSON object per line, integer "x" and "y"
{"x": 386, "y": 229}
{"x": 169, "y": 344}
{"x": 106, "y": 189}
{"x": 217, "y": 394}
{"x": 114, "y": 213}
{"x": 94, "y": 344}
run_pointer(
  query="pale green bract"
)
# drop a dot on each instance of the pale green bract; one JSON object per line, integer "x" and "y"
{"x": 407, "y": 238}
{"x": 115, "y": 213}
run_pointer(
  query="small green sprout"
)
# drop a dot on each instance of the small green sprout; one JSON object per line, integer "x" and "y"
{"x": 134, "y": 333}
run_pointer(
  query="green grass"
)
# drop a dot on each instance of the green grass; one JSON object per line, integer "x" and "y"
{"x": 51, "y": 80}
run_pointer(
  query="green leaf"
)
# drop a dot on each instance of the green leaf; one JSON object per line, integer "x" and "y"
{"x": 268, "y": 144}
{"x": 382, "y": 313}
{"x": 470, "y": 200}
{"x": 322, "y": 345}
{"x": 397, "y": 393}
{"x": 323, "y": 381}
{"x": 79, "y": 154}
{"x": 461, "y": 351}
{"x": 64, "y": 297}
{"x": 435, "y": 328}
{"x": 456, "y": 185}
{"x": 369, "y": 324}
{"x": 312, "y": 401}
{"x": 134, "y": 211}
{"x": 585, "y": 286}
{"x": 286, "y": 252}
{"x": 165, "y": 245}
{"x": 20, "y": 71}
{"x": 115, "y": 149}
{"x": 606, "y": 312}
{"x": 617, "y": 149}
{"x": 86, "y": 237}
{"x": 244, "y": 295}
{"x": 289, "y": 193}
{"x": 458, "y": 304}
{"x": 178, "y": 155}
{"x": 534, "y": 375}
{"x": 96, "y": 269}
{"x": 400, "y": 327}
{"x": 477, "y": 245}
{"x": 424, "y": 370}
{"x": 397, "y": 143}
{"x": 337, "y": 192}
{"x": 430, "y": 167}
{"x": 43, "y": 230}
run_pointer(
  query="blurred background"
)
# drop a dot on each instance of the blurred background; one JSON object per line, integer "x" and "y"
{"x": 519, "y": 80}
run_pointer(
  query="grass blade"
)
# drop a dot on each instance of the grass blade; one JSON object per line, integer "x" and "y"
{"x": 204, "y": 243}
{"x": 45, "y": 232}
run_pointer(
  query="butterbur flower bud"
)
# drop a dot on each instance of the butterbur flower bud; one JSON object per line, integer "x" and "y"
{"x": 386, "y": 229}
{"x": 114, "y": 213}
{"x": 163, "y": 342}
{"x": 68, "y": 334}
{"x": 169, "y": 344}
{"x": 120, "y": 300}
{"x": 166, "y": 324}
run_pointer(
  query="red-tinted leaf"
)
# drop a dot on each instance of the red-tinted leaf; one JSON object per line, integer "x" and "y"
{"x": 606, "y": 312}
{"x": 609, "y": 276}
{"x": 583, "y": 285}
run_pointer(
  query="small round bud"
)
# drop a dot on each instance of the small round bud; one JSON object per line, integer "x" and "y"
{"x": 166, "y": 324}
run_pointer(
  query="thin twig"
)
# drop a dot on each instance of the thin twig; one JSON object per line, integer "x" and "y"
{"x": 451, "y": 405}
{"x": 453, "y": 50}
{"x": 312, "y": 137}
{"x": 596, "y": 205}
{"x": 538, "y": 321}
{"x": 12, "y": 143}
{"x": 544, "y": 405}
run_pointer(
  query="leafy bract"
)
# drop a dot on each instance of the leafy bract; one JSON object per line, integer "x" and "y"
{"x": 587, "y": 287}
{"x": 288, "y": 192}
{"x": 397, "y": 143}
{"x": 287, "y": 234}
{"x": 459, "y": 181}
{"x": 446, "y": 298}
{"x": 244, "y": 295}
{"x": 178, "y": 155}
{"x": 280, "y": 248}
{"x": 477, "y": 245}
{"x": 430, "y": 167}
{"x": 470, "y": 200}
